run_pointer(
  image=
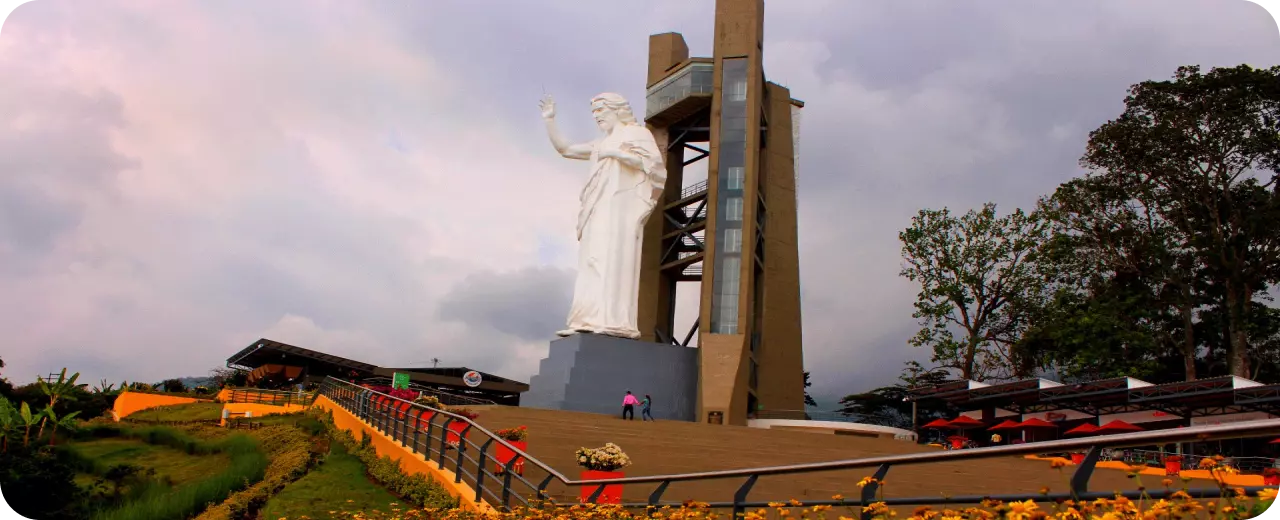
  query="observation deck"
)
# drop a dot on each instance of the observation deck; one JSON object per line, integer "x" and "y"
{"x": 684, "y": 92}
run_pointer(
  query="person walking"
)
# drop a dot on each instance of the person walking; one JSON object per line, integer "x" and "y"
{"x": 629, "y": 406}
{"x": 644, "y": 408}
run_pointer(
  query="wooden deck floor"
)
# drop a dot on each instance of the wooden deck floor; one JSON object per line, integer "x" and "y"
{"x": 667, "y": 447}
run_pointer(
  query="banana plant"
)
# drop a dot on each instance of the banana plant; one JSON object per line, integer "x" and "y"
{"x": 104, "y": 387}
{"x": 54, "y": 390}
{"x": 67, "y": 422}
{"x": 28, "y": 420}
{"x": 8, "y": 423}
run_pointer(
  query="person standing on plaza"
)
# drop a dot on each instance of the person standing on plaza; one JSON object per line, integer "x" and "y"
{"x": 629, "y": 406}
{"x": 644, "y": 408}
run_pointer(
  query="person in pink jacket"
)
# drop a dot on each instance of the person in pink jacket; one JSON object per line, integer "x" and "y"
{"x": 629, "y": 406}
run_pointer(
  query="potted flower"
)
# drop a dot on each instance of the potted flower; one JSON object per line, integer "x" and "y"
{"x": 516, "y": 437}
{"x": 1172, "y": 465}
{"x": 456, "y": 427}
{"x": 601, "y": 464}
{"x": 433, "y": 404}
{"x": 1271, "y": 477}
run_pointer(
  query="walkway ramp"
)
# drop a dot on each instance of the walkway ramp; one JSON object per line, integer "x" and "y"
{"x": 667, "y": 447}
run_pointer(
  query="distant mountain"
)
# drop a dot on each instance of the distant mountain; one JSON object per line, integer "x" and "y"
{"x": 192, "y": 382}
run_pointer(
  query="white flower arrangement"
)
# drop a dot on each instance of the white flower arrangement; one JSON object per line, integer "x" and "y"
{"x": 608, "y": 458}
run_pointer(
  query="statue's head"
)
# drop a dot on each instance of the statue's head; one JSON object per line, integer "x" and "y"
{"x": 611, "y": 110}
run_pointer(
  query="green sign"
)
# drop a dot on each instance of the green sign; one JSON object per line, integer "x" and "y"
{"x": 400, "y": 381}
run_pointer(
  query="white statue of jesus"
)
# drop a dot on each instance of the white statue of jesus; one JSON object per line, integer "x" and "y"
{"x": 627, "y": 178}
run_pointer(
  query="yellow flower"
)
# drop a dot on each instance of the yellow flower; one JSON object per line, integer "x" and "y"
{"x": 837, "y": 497}
{"x": 1207, "y": 463}
{"x": 1057, "y": 463}
{"x": 865, "y": 481}
{"x": 795, "y": 503}
{"x": 1044, "y": 490}
{"x": 1166, "y": 482}
{"x": 1267, "y": 494}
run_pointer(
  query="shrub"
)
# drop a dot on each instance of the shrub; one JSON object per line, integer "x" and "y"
{"x": 430, "y": 401}
{"x": 465, "y": 412}
{"x": 39, "y": 482}
{"x": 608, "y": 458}
{"x": 516, "y": 434}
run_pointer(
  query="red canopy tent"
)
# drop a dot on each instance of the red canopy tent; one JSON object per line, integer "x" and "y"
{"x": 1083, "y": 429}
{"x": 937, "y": 424}
{"x": 1117, "y": 427}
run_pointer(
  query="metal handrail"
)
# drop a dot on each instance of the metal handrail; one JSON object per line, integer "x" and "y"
{"x": 1079, "y": 481}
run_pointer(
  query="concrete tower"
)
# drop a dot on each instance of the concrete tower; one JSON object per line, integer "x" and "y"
{"x": 734, "y": 233}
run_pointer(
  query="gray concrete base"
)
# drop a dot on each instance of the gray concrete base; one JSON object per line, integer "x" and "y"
{"x": 592, "y": 373}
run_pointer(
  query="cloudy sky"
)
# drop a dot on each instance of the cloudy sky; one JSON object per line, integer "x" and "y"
{"x": 371, "y": 179}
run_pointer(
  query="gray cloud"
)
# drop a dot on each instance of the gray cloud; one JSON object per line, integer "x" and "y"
{"x": 529, "y": 304}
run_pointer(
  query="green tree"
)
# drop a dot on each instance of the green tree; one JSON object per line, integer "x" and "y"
{"x": 808, "y": 400}
{"x": 978, "y": 285}
{"x": 56, "y": 390}
{"x": 1198, "y": 147}
{"x": 1124, "y": 285}
{"x": 892, "y": 400}
{"x": 172, "y": 385}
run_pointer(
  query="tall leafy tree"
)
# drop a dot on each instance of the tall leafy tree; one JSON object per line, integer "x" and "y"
{"x": 1124, "y": 282}
{"x": 1205, "y": 150}
{"x": 978, "y": 285}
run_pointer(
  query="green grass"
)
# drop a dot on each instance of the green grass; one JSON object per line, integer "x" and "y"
{"x": 337, "y": 484}
{"x": 180, "y": 412}
{"x": 168, "y": 462}
{"x": 247, "y": 465}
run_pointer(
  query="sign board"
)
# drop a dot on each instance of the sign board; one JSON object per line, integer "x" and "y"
{"x": 400, "y": 381}
{"x": 1055, "y": 417}
{"x": 472, "y": 379}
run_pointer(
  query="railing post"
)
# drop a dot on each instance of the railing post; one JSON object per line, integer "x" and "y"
{"x": 404, "y": 428}
{"x": 462, "y": 447}
{"x": 506, "y": 487}
{"x": 1080, "y": 479}
{"x": 417, "y": 428}
{"x": 484, "y": 449}
{"x": 542, "y": 487}
{"x": 740, "y": 496}
{"x": 656, "y": 496}
{"x": 444, "y": 438}
{"x": 869, "y": 491}
{"x": 426, "y": 453}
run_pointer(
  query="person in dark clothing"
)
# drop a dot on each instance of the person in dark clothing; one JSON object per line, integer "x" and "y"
{"x": 629, "y": 406}
{"x": 644, "y": 408}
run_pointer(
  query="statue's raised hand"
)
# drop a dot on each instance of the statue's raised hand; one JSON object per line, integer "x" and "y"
{"x": 548, "y": 106}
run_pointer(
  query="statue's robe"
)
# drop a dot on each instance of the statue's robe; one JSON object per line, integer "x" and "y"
{"x": 616, "y": 203}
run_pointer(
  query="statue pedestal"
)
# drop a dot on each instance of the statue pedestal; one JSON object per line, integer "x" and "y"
{"x": 592, "y": 373}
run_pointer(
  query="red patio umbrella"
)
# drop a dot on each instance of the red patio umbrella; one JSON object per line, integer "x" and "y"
{"x": 1083, "y": 429}
{"x": 1118, "y": 427}
{"x": 937, "y": 424}
{"x": 1277, "y": 441}
{"x": 965, "y": 422}
{"x": 1036, "y": 423}
{"x": 1007, "y": 425}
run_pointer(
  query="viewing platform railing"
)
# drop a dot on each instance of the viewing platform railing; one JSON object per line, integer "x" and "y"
{"x": 403, "y": 421}
{"x": 270, "y": 397}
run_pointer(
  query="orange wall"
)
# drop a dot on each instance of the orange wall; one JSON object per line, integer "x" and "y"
{"x": 410, "y": 462}
{"x": 130, "y": 402}
{"x": 1230, "y": 480}
{"x": 260, "y": 410}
